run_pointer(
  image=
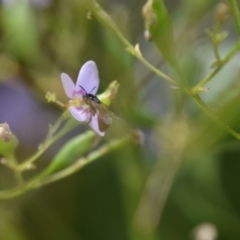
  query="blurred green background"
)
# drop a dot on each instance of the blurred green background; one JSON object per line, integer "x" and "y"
{"x": 186, "y": 172}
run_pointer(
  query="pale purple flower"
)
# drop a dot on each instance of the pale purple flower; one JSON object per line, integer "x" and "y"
{"x": 89, "y": 80}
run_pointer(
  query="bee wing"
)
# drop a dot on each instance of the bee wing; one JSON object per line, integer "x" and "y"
{"x": 103, "y": 112}
{"x": 110, "y": 113}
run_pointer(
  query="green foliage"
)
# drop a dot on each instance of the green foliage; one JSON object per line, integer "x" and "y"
{"x": 73, "y": 150}
{"x": 159, "y": 24}
{"x": 183, "y": 164}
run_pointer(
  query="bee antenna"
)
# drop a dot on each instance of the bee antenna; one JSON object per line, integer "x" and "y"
{"x": 83, "y": 89}
{"x": 93, "y": 89}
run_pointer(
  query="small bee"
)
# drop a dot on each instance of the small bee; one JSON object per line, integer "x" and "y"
{"x": 99, "y": 108}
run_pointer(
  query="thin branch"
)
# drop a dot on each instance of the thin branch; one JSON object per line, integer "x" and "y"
{"x": 73, "y": 168}
{"x": 236, "y": 14}
{"x": 223, "y": 62}
{"x": 205, "y": 108}
{"x": 107, "y": 21}
{"x": 83, "y": 161}
{"x": 50, "y": 139}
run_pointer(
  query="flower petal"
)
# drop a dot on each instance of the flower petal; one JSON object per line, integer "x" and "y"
{"x": 94, "y": 125}
{"x": 82, "y": 115}
{"x": 68, "y": 85}
{"x": 88, "y": 78}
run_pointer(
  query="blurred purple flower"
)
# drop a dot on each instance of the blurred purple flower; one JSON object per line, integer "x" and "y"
{"x": 89, "y": 81}
{"x": 26, "y": 113}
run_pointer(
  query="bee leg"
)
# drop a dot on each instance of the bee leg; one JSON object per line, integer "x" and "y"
{"x": 90, "y": 119}
{"x": 91, "y": 114}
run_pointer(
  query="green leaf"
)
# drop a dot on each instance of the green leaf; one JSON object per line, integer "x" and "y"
{"x": 74, "y": 149}
{"x": 159, "y": 24}
{"x": 8, "y": 142}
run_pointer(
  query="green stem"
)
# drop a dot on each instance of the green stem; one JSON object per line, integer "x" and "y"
{"x": 104, "y": 18}
{"x": 7, "y": 194}
{"x": 138, "y": 55}
{"x": 34, "y": 157}
{"x": 79, "y": 164}
{"x": 106, "y": 21}
{"x": 236, "y": 15}
{"x": 13, "y": 164}
{"x": 215, "y": 43}
{"x": 216, "y": 52}
{"x": 19, "y": 177}
{"x": 50, "y": 139}
{"x": 205, "y": 108}
{"x": 230, "y": 55}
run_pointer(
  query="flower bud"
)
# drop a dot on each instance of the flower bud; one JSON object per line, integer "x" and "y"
{"x": 51, "y": 97}
{"x": 109, "y": 95}
{"x": 147, "y": 10}
{"x": 8, "y": 142}
{"x": 5, "y": 133}
{"x": 147, "y": 35}
{"x": 222, "y": 13}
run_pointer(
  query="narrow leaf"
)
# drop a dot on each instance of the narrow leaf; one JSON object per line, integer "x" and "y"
{"x": 159, "y": 24}
{"x": 74, "y": 149}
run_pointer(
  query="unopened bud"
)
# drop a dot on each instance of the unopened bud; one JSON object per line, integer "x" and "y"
{"x": 137, "y": 50}
{"x": 219, "y": 37}
{"x": 51, "y": 97}
{"x": 5, "y": 133}
{"x": 147, "y": 35}
{"x": 109, "y": 95}
{"x": 147, "y": 9}
{"x": 148, "y": 14}
{"x": 222, "y": 13}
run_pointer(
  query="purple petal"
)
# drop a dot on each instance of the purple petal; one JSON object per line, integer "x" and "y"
{"x": 94, "y": 125}
{"x": 82, "y": 115}
{"x": 88, "y": 78}
{"x": 68, "y": 85}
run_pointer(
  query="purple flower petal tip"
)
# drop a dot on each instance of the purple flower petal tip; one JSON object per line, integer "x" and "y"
{"x": 88, "y": 77}
{"x": 68, "y": 85}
